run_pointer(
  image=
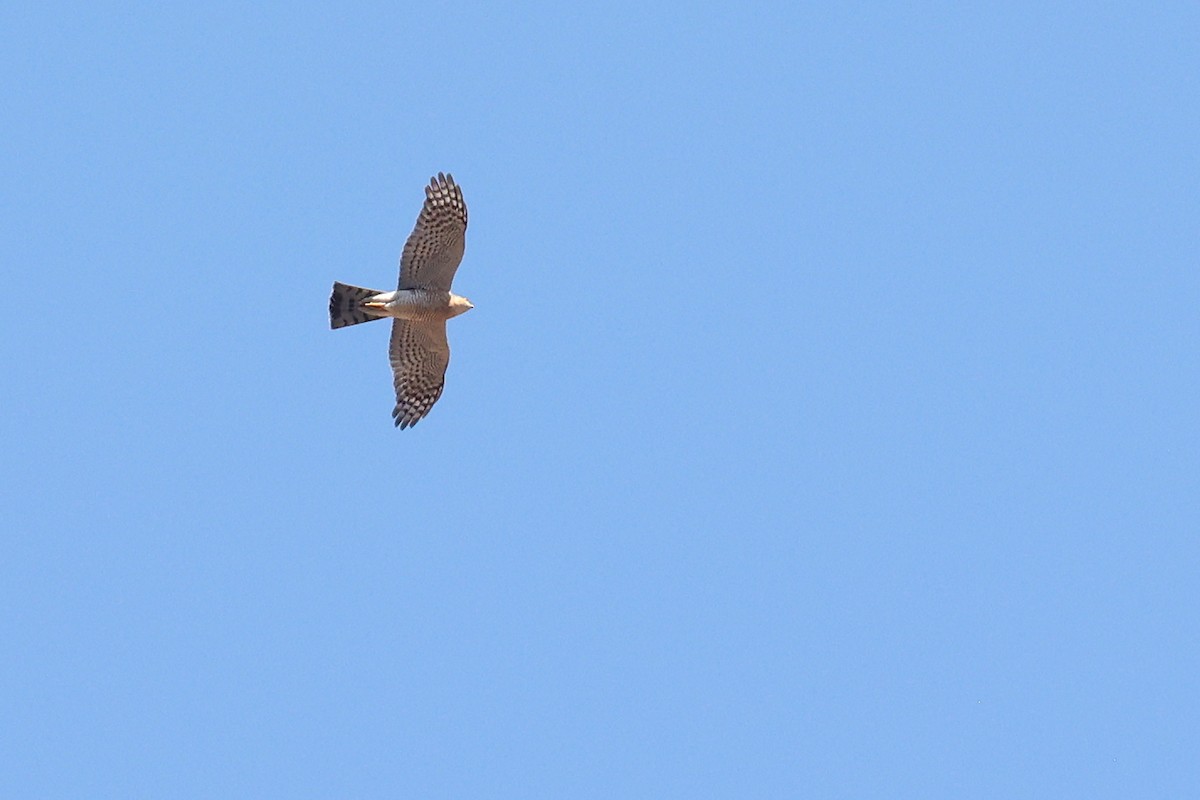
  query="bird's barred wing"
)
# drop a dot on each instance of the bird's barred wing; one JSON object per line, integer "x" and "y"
{"x": 435, "y": 247}
{"x": 419, "y": 354}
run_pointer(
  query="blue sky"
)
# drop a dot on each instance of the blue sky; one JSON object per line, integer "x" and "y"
{"x": 825, "y": 427}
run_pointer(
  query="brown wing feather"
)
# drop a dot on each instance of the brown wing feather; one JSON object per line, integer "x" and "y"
{"x": 435, "y": 247}
{"x": 419, "y": 353}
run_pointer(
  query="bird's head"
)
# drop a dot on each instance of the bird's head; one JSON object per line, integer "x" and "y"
{"x": 459, "y": 305}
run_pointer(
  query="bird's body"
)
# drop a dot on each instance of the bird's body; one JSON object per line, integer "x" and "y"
{"x": 419, "y": 352}
{"x": 417, "y": 305}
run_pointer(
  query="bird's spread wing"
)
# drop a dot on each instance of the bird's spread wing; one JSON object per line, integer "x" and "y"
{"x": 435, "y": 246}
{"x": 419, "y": 354}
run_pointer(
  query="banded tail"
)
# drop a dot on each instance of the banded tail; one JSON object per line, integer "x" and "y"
{"x": 345, "y": 305}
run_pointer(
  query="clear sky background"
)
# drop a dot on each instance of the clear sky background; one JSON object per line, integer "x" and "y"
{"x": 826, "y": 425}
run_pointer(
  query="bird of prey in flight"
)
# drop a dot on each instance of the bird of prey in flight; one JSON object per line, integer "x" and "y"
{"x": 420, "y": 305}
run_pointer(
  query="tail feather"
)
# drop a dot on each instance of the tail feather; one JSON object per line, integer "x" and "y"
{"x": 345, "y": 305}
